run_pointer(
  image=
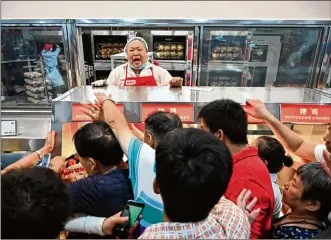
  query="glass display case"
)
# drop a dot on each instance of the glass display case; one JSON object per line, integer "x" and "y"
{"x": 34, "y": 65}
{"x": 259, "y": 56}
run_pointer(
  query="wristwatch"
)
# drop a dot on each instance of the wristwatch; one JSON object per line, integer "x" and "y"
{"x": 39, "y": 154}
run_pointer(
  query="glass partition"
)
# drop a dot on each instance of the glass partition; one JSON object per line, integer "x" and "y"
{"x": 256, "y": 57}
{"x": 33, "y": 65}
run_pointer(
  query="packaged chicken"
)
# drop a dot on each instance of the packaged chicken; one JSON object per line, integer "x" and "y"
{"x": 223, "y": 49}
{"x": 173, "y": 47}
{"x": 166, "y": 48}
{"x": 229, "y": 49}
{"x": 166, "y": 54}
{"x": 180, "y": 55}
{"x": 180, "y": 47}
{"x": 173, "y": 55}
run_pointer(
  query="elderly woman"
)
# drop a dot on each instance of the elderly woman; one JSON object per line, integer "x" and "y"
{"x": 309, "y": 196}
{"x": 138, "y": 71}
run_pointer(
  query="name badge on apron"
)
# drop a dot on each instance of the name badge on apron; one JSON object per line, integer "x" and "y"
{"x": 130, "y": 82}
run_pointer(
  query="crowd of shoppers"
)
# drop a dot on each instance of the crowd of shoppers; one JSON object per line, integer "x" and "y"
{"x": 195, "y": 183}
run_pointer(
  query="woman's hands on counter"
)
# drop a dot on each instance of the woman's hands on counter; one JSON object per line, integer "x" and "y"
{"x": 176, "y": 82}
{"x": 99, "y": 83}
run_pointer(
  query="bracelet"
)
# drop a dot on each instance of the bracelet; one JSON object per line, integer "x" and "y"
{"x": 39, "y": 154}
{"x": 107, "y": 99}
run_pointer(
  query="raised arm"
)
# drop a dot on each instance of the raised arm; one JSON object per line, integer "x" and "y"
{"x": 33, "y": 158}
{"x": 286, "y": 136}
{"x": 116, "y": 120}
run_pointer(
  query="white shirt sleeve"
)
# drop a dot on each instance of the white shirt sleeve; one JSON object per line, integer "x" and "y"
{"x": 112, "y": 79}
{"x": 163, "y": 76}
{"x": 319, "y": 152}
{"x": 278, "y": 201}
{"x": 86, "y": 224}
{"x": 115, "y": 76}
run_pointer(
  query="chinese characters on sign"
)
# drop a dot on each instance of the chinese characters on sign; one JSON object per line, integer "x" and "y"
{"x": 305, "y": 113}
{"x": 78, "y": 114}
{"x": 184, "y": 111}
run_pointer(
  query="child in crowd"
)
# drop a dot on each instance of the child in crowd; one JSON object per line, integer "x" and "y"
{"x": 272, "y": 153}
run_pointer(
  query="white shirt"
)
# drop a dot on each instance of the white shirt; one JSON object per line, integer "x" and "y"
{"x": 117, "y": 76}
{"x": 277, "y": 196}
{"x": 319, "y": 152}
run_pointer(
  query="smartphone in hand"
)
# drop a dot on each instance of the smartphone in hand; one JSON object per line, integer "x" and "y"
{"x": 132, "y": 210}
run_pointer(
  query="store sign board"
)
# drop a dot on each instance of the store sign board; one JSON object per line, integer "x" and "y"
{"x": 305, "y": 113}
{"x": 78, "y": 114}
{"x": 184, "y": 111}
{"x": 250, "y": 119}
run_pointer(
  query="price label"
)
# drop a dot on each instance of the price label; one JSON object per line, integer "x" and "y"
{"x": 8, "y": 128}
{"x": 184, "y": 111}
{"x": 79, "y": 115}
{"x": 305, "y": 113}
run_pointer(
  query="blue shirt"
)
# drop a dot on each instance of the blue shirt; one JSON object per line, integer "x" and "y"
{"x": 101, "y": 195}
{"x": 52, "y": 72}
{"x": 141, "y": 159}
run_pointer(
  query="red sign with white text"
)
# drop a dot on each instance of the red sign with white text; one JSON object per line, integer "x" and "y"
{"x": 78, "y": 114}
{"x": 305, "y": 113}
{"x": 184, "y": 111}
{"x": 251, "y": 119}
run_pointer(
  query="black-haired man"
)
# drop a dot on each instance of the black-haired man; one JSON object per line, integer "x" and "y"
{"x": 35, "y": 203}
{"x": 158, "y": 124}
{"x": 227, "y": 120}
{"x": 188, "y": 167}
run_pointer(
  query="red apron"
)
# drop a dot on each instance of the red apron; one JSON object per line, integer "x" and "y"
{"x": 148, "y": 81}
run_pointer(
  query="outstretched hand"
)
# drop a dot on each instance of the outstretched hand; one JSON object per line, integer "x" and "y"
{"x": 257, "y": 109}
{"x": 247, "y": 208}
{"x": 94, "y": 111}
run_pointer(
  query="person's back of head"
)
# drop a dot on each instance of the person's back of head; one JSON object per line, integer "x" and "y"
{"x": 97, "y": 141}
{"x": 315, "y": 193}
{"x": 273, "y": 153}
{"x": 193, "y": 169}
{"x": 34, "y": 204}
{"x": 158, "y": 124}
{"x": 225, "y": 117}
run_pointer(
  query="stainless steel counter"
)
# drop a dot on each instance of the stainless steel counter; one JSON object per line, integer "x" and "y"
{"x": 136, "y": 99}
{"x": 129, "y": 95}
{"x": 326, "y": 91}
